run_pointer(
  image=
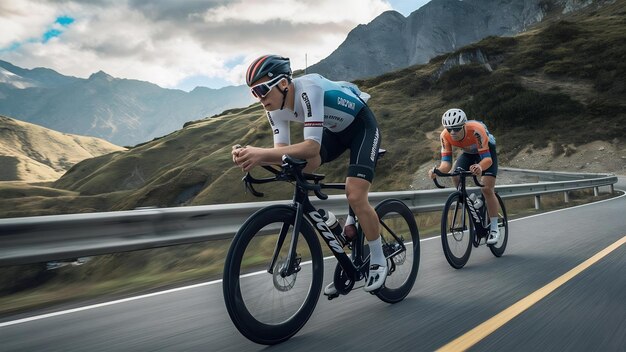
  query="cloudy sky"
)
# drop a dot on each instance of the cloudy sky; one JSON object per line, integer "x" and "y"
{"x": 178, "y": 44}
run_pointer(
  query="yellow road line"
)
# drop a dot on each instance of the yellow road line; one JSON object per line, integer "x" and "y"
{"x": 483, "y": 330}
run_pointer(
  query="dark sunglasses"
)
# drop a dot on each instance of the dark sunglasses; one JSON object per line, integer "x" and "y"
{"x": 454, "y": 129}
{"x": 262, "y": 89}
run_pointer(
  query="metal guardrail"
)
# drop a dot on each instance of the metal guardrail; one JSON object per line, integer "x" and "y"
{"x": 57, "y": 237}
{"x": 541, "y": 175}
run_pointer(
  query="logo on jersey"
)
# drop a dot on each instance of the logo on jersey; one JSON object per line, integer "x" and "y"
{"x": 332, "y": 121}
{"x": 269, "y": 117}
{"x": 479, "y": 139}
{"x": 375, "y": 146}
{"x": 305, "y": 98}
{"x": 276, "y": 131}
{"x": 346, "y": 103}
{"x": 334, "y": 117}
{"x": 313, "y": 124}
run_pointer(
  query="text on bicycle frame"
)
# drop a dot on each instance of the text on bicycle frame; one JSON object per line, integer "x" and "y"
{"x": 326, "y": 233}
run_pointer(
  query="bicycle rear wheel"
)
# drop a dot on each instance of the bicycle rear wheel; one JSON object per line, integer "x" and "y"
{"x": 456, "y": 231}
{"x": 401, "y": 245}
{"x": 266, "y": 307}
{"x": 503, "y": 225}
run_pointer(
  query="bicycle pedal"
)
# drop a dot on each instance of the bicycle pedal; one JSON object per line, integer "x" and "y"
{"x": 333, "y": 296}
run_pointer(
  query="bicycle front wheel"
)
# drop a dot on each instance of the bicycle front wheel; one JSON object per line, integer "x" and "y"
{"x": 503, "y": 225}
{"x": 266, "y": 307}
{"x": 456, "y": 231}
{"x": 401, "y": 245}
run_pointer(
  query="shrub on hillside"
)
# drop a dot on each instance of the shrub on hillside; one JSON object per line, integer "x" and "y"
{"x": 508, "y": 105}
{"x": 493, "y": 46}
{"x": 560, "y": 32}
{"x": 412, "y": 85}
{"x": 457, "y": 81}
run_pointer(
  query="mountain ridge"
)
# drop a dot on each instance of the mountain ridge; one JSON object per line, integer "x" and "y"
{"x": 122, "y": 111}
{"x": 438, "y": 27}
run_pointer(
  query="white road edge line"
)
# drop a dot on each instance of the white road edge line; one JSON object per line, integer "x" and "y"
{"x": 99, "y": 305}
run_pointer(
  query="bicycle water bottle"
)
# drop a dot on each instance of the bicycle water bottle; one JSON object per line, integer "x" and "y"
{"x": 335, "y": 227}
{"x": 477, "y": 201}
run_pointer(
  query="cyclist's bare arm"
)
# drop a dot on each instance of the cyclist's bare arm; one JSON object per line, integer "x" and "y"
{"x": 249, "y": 156}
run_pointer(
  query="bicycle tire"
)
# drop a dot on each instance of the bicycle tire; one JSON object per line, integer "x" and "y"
{"x": 256, "y": 307}
{"x": 499, "y": 247}
{"x": 457, "y": 245}
{"x": 396, "y": 217}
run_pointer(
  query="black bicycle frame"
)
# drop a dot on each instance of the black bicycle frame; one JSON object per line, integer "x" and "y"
{"x": 304, "y": 209}
{"x": 476, "y": 214}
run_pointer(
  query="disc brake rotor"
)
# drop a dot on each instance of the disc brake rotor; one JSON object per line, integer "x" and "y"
{"x": 286, "y": 283}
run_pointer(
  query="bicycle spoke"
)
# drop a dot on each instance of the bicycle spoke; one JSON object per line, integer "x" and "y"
{"x": 270, "y": 298}
{"x": 456, "y": 232}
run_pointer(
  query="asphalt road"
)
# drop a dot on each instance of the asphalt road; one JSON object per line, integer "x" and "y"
{"x": 586, "y": 313}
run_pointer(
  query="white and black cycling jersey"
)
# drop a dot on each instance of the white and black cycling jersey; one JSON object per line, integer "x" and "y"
{"x": 319, "y": 103}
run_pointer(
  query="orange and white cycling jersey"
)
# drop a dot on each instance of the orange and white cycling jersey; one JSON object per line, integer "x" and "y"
{"x": 475, "y": 141}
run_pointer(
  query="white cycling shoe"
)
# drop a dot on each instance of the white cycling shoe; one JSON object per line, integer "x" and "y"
{"x": 494, "y": 236}
{"x": 330, "y": 289}
{"x": 376, "y": 278}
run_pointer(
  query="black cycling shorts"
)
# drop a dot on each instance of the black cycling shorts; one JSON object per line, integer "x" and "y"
{"x": 466, "y": 160}
{"x": 362, "y": 138}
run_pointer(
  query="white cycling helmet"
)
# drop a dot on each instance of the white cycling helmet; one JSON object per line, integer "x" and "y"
{"x": 453, "y": 118}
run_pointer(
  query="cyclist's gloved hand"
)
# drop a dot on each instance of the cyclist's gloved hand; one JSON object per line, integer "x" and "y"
{"x": 249, "y": 157}
{"x": 476, "y": 169}
{"x": 431, "y": 173}
{"x": 235, "y": 152}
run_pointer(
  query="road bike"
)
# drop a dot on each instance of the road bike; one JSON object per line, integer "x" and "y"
{"x": 464, "y": 224}
{"x": 273, "y": 274}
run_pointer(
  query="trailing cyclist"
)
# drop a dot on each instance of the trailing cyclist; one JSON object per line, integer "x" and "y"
{"x": 479, "y": 156}
{"x": 335, "y": 118}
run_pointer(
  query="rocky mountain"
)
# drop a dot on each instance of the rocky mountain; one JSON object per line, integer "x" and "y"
{"x": 32, "y": 153}
{"x": 122, "y": 111}
{"x": 392, "y": 41}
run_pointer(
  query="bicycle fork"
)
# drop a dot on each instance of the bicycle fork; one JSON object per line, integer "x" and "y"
{"x": 291, "y": 264}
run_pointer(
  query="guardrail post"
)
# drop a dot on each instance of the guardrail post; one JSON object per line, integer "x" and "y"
{"x": 566, "y": 195}
{"x": 596, "y": 191}
{"x": 612, "y": 189}
{"x": 537, "y": 202}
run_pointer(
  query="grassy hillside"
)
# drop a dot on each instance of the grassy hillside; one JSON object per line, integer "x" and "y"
{"x": 559, "y": 85}
{"x": 33, "y": 153}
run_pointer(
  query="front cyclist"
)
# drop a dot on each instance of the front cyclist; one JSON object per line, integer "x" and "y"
{"x": 335, "y": 118}
{"x": 479, "y": 156}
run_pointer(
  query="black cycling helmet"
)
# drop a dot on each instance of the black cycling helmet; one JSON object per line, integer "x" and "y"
{"x": 268, "y": 65}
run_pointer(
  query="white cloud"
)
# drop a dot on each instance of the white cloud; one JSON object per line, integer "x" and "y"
{"x": 156, "y": 42}
{"x": 310, "y": 11}
{"x": 21, "y": 20}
